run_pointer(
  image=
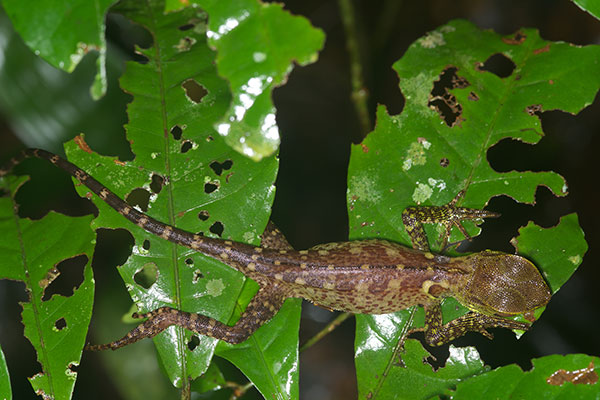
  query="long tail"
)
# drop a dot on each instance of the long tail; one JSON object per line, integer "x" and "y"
{"x": 205, "y": 245}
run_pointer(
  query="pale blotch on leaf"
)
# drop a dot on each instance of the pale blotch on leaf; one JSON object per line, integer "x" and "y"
{"x": 363, "y": 188}
{"x": 215, "y": 287}
{"x": 576, "y": 260}
{"x": 437, "y": 183}
{"x": 432, "y": 40}
{"x": 259, "y": 56}
{"x": 421, "y": 193}
{"x": 415, "y": 155}
{"x": 249, "y": 236}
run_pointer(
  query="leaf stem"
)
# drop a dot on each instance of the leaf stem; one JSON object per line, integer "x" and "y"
{"x": 359, "y": 92}
{"x": 325, "y": 331}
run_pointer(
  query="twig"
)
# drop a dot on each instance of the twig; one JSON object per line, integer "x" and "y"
{"x": 328, "y": 329}
{"x": 359, "y": 93}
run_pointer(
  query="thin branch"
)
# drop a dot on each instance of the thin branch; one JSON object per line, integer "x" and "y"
{"x": 359, "y": 92}
{"x": 325, "y": 331}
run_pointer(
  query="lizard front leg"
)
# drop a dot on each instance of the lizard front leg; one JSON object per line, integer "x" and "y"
{"x": 437, "y": 334}
{"x": 261, "y": 308}
{"x": 449, "y": 215}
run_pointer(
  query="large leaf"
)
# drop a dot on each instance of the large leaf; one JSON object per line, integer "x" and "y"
{"x": 410, "y": 371}
{"x": 257, "y": 45}
{"x": 193, "y": 179}
{"x": 63, "y": 33}
{"x": 437, "y": 146}
{"x": 510, "y": 382}
{"x": 55, "y": 325}
{"x": 270, "y": 357}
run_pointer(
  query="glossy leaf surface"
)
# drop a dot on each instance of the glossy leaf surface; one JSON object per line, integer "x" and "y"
{"x": 56, "y": 325}
{"x": 510, "y": 382}
{"x": 63, "y": 33}
{"x": 189, "y": 178}
{"x": 456, "y": 109}
{"x": 257, "y": 45}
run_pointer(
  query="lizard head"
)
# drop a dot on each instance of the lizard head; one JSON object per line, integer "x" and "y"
{"x": 502, "y": 284}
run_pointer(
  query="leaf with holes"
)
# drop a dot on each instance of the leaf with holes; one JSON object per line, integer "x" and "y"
{"x": 273, "y": 371}
{"x": 257, "y": 45}
{"x": 184, "y": 174}
{"x": 553, "y": 377}
{"x": 63, "y": 35}
{"x": 465, "y": 91}
{"x": 39, "y": 253}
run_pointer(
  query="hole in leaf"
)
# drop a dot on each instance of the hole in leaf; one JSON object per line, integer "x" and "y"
{"x": 518, "y": 38}
{"x": 3, "y": 193}
{"x": 185, "y": 44}
{"x": 147, "y": 276}
{"x": 176, "y": 131}
{"x": 210, "y": 187}
{"x": 74, "y": 367}
{"x": 203, "y": 215}
{"x": 194, "y": 91}
{"x": 444, "y": 162}
{"x": 60, "y": 324}
{"x": 217, "y": 228}
{"x": 220, "y": 167}
{"x": 157, "y": 182}
{"x": 197, "y": 276}
{"x": 65, "y": 278}
{"x": 473, "y": 96}
{"x": 146, "y": 245}
{"x": 186, "y": 27}
{"x": 499, "y": 65}
{"x": 189, "y": 261}
{"x": 444, "y": 102}
{"x": 193, "y": 343}
{"x": 186, "y": 146}
{"x": 534, "y": 109}
{"x": 139, "y": 197}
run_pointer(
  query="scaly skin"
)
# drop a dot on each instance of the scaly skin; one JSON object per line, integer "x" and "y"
{"x": 368, "y": 276}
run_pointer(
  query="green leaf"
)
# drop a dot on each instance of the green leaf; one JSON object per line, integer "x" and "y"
{"x": 591, "y": 6}
{"x": 559, "y": 249}
{"x": 270, "y": 357}
{"x": 380, "y": 375}
{"x": 194, "y": 180}
{"x": 257, "y": 45}
{"x": 212, "y": 380}
{"x": 5, "y": 388}
{"x": 423, "y": 157}
{"x": 63, "y": 33}
{"x": 511, "y": 382}
{"x": 56, "y": 327}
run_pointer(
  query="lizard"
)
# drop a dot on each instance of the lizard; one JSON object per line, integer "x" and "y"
{"x": 372, "y": 276}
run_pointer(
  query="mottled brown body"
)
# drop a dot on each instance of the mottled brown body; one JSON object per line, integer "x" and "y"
{"x": 368, "y": 276}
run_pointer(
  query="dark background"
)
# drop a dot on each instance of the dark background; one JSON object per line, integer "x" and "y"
{"x": 317, "y": 123}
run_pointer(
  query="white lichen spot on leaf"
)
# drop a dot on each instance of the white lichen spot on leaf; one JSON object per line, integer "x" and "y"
{"x": 432, "y": 40}
{"x": 362, "y": 187}
{"x": 576, "y": 259}
{"x": 422, "y": 193}
{"x": 249, "y": 236}
{"x": 215, "y": 287}
{"x": 415, "y": 154}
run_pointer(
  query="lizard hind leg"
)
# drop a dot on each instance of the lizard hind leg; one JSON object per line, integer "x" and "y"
{"x": 261, "y": 308}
